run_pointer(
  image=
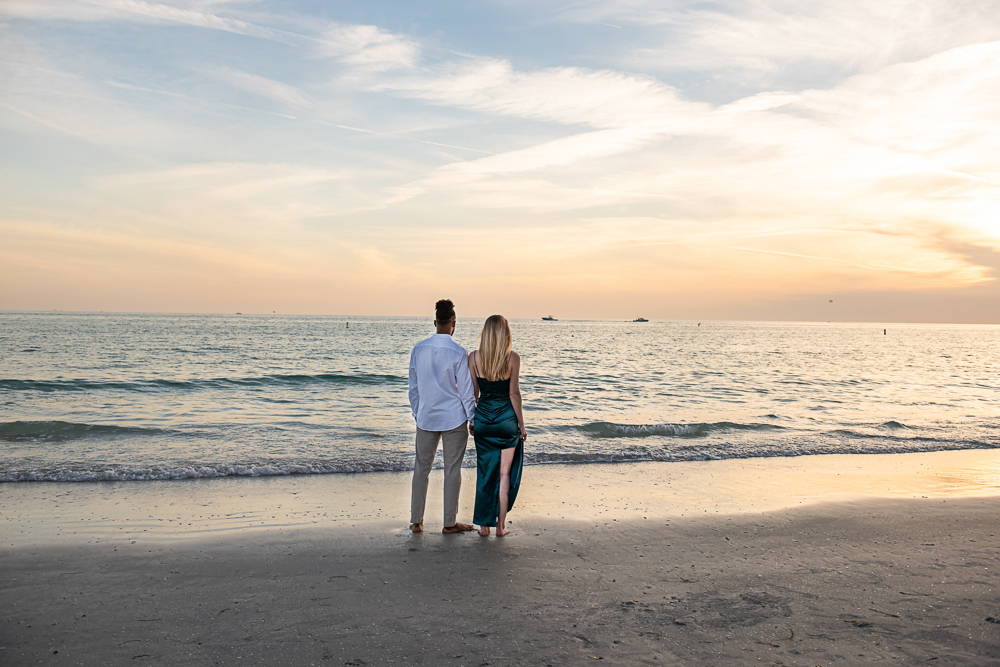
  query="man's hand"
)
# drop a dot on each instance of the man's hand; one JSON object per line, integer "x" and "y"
{"x": 472, "y": 431}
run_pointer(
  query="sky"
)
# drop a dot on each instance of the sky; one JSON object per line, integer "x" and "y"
{"x": 765, "y": 160}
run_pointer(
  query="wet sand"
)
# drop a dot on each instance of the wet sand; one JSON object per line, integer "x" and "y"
{"x": 810, "y": 561}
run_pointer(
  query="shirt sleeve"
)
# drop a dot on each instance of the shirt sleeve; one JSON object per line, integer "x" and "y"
{"x": 465, "y": 390}
{"x": 414, "y": 392}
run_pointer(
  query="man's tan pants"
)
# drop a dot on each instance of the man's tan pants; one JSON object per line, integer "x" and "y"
{"x": 453, "y": 449}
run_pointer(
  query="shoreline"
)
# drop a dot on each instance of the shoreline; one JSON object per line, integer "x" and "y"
{"x": 258, "y": 470}
{"x": 64, "y": 513}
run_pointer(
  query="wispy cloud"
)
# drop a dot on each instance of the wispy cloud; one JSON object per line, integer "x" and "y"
{"x": 142, "y": 11}
{"x": 567, "y": 95}
{"x": 368, "y": 46}
{"x": 257, "y": 194}
{"x": 769, "y": 37}
{"x": 259, "y": 85}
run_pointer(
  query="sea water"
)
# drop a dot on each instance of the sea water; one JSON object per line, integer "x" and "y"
{"x": 87, "y": 397}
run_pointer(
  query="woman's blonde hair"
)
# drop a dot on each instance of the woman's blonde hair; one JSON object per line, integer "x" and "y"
{"x": 494, "y": 348}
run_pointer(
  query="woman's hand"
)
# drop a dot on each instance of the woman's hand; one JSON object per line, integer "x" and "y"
{"x": 524, "y": 434}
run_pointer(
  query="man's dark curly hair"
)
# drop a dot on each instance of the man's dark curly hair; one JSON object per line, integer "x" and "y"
{"x": 444, "y": 311}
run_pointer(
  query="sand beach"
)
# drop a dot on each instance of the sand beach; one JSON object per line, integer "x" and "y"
{"x": 820, "y": 560}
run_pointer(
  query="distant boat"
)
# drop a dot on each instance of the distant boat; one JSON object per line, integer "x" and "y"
{"x": 640, "y": 319}
{"x": 549, "y": 319}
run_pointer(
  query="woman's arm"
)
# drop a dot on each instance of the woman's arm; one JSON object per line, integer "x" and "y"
{"x": 472, "y": 372}
{"x": 475, "y": 386}
{"x": 515, "y": 390}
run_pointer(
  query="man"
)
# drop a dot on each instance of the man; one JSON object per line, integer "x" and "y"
{"x": 443, "y": 404}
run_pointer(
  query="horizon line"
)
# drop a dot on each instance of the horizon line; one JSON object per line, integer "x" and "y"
{"x": 532, "y": 318}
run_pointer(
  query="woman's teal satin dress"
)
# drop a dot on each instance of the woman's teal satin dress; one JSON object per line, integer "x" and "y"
{"x": 495, "y": 429}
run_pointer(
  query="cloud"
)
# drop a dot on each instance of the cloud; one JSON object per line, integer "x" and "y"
{"x": 839, "y": 185}
{"x": 47, "y": 10}
{"x": 770, "y": 36}
{"x": 368, "y": 47}
{"x": 254, "y": 194}
{"x": 566, "y": 95}
{"x": 259, "y": 85}
{"x": 256, "y": 178}
{"x": 932, "y": 117}
{"x": 939, "y": 105}
{"x": 36, "y": 88}
{"x": 630, "y": 111}
{"x": 142, "y": 11}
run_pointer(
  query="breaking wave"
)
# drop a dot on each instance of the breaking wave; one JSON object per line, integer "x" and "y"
{"x": 59, "y": 430}
{"x": 161, "y": 384}
{"x": 141, "y": 473}
{"x": 613, "y": 430}
{"x": 166, "y": 473}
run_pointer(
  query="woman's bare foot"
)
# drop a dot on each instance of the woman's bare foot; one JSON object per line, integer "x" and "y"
{"x": 484, "y": 531}
{"x": 501, "y": 531}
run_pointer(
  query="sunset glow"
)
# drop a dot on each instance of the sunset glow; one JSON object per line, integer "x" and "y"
{"x": 775, "y": 160}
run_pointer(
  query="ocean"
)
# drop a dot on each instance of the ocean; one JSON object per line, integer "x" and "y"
{"x": 96, "y": 397}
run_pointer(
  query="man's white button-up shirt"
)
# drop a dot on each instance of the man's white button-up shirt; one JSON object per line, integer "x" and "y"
{"x": 441, "y": 393}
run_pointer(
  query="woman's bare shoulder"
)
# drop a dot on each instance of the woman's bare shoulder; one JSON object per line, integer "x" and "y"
{"x": 515, "y": 357}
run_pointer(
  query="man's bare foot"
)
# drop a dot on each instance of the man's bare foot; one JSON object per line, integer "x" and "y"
{"x": 484, "y": 531}
{"x": 457, "y": 528}
{"x": 417, "y": 527}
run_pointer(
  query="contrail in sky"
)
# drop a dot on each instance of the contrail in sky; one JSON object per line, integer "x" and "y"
{"x": 396, "y": 136}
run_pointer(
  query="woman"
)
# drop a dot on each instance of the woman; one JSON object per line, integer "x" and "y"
{"x": 498, "y": 427}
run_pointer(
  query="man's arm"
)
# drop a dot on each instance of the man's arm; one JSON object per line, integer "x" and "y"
{"x": 414, "y": 391}
{"x": 465, "y": 390}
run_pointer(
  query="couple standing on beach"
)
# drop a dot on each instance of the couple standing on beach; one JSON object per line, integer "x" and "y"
{"x": 453, "y": 394}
